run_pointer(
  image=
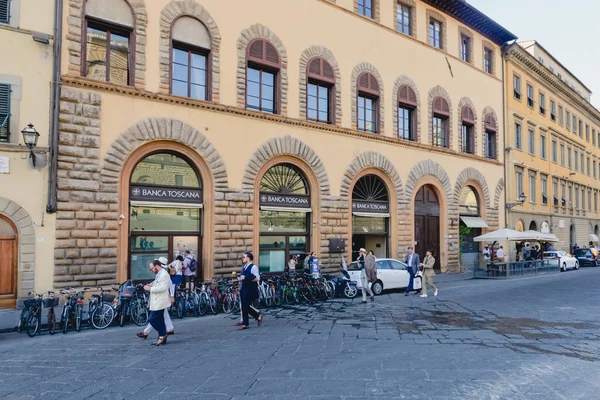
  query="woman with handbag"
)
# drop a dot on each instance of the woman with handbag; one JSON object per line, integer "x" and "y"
{"x": 249, "y": 290}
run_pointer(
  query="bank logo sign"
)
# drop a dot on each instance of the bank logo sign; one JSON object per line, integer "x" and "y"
{"x": 370, "y": 206}
{"x": 284, "y": 200}
{"x": 165, "y": 194}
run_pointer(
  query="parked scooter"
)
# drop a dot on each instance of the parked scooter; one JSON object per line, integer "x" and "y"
{"x": 344, "y": 285}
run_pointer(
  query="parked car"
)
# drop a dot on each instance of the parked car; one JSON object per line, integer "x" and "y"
{"x": 561, "y": 259}
{"x": 586, "y": 258}
{"x": 391, "y": 274}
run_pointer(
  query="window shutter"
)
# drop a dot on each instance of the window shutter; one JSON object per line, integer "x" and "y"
{"x": 263, "y": 52}
{"x": 4, "y": 11}
{"x": 327, "y": 71}
{"x": 271, "y": 53}
{"x": 467, "y": 115}
{"x": 363, "y": 82}
{"x": 4, "y": 112}
{"x": 407, "y": 96}
{"x": 315, "y": 67}
{"x": 490, "y": 123}
{"x": 440, "y": 106}
{"x": 373, "y": 83}
{"x": 256, "y": 49}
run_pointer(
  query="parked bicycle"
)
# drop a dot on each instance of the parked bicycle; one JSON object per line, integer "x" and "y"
{"x": 72, "y": 313}
{"x": 31, "y": 316}
{"x": 100, "y": 309}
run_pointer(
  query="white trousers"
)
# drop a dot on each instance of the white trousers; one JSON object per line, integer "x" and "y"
{"x": 168, "y": 323}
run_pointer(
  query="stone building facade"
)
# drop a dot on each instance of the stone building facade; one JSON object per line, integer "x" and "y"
{"x": 252, "y": 148}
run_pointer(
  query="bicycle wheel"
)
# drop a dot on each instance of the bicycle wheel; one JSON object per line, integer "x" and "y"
{"x": 212, "y": 303}
{"x": 139, "y": 313}
{"x": 228, "y": 303}
{"x": 269, "y": 297}
{"x": 78, "y": 317}
{"x": 22, "y": 322}
{"x": 289, "y": 296}
{"x": 123, "y": 314}
{"x": 65, "y": 320}
{"x": 103, "y": 316}
{"x": 33, "y": 324}
{"x": 330, "y": 290}
{"x": 51, "y": 321}
{"x": 180, "y": 305}
{"x": 203, "y": 304}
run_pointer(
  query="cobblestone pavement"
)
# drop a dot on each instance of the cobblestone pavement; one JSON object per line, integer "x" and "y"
{"x": 533, "y": 338}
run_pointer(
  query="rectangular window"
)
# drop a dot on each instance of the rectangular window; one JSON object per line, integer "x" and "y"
{"x": 317, "y": 107}
{"x": 467, "y": 138}
{"x": 594, "y": 169}
{"x": 563, "y": 188}
{"x": 439, "y": 131}
{"x": 530, "y": 100}
{"x": 588, "y": 167}
{"x": 518, "y": 136}
{"x": 542, "y": 104}
{"x": 543, "y": 147}
{"x": 260, "y": 88}
{"x": 590, "y": 200}
{"x": 555, "y": 193}
{"x": 532, "y": 191}
{"x": 587, "y": 133}
{"x": 488, "y": 55}
{"x": 570, "y": 196}
{"x": 574, "y": 124}
{"x": 403, "y": 15}
{"x": 554, "y": 152}
{"x": 544, "y": 189}
{"x": 188, "y": 73}
{"x": 580, "y": 128}
{"x": 577, "y": 198}
{"x": 519, "y": 183}
{"x": 435, "y": 33}
{"x": 560, "y": 116}
{"x": 576, "y": 159}
{"x": 552, "y": 110}
{"x": 465, "y": 45}
{"x": 569, "y": 159}
{"x": 593, "y": 136}
{"x": 4, "y": 112}
{"x": 583, "y": 198}
{"x": 4, "y": 11}
{"x": 517, "y": 87}
{"x": 365, "y": 7}
{"x": 405, "y": 123}
{"x": 490, "y": 144}
{"x": 107, "y": 53}
{"x": 531, "y": 141}
{"x": 367, "y": 114}
{"x": 595, "y": 201}
{"x": 562, "y": 154}
{"x": 582, "y": 166}
{"x": 568, "y": 120}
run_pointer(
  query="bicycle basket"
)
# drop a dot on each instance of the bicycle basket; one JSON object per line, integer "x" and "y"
{"x": 50, "y": 302}
{"x": 32, "y": 302}
{"x": 108, "y": 298}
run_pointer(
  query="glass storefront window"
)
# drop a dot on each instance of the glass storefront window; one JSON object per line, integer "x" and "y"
{"x": 272, "y": 242}
{"x": 159, "y": 219}
{"x": 149, "y": 243}
{"x": 140, "y": 265}
{"x": 283, "y": 221}
{"x": 165, "y": 169}
{"x": 369, "y": 225}
{"x": 183, "y": 243}
{"x": 275, "y": 250}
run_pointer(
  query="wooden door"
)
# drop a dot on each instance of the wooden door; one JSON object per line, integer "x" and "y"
{"x": 427, "y": 223}
{"x": 8, "y": 264}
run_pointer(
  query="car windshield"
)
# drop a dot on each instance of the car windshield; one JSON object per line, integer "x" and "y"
{"x": 581, "y": 252}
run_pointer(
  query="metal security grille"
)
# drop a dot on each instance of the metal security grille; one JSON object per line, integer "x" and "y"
{"x": 370, "y": 188}
{"x": 284, "y": 179}
{"x": 4, "y": 112}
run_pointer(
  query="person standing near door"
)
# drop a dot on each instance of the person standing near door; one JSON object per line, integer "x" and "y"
{"x": 249, "y": 290}
{"x": 428, "y": 273}
{"x": 413, "y": 261}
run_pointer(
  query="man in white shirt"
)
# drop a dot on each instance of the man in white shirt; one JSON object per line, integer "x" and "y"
{"x": 159, "y": 300}
{"x": 500, "y": 254}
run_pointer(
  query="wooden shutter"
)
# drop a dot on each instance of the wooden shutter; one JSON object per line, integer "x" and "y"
{"x": 4, "y": 112}
{"x": 467, "y": 115}
{"x": 490, "y": 123}
{"x": 256, "y": 50}
{"x": 4, "y": 12}
{"x": 407, "y": 96}
{"x": 320, "y": 70}
{"x": 263, "y": 52}
{"x": 440, "y": 106}
{"x": 368, "y": 84}
{"x": 271, "y": 53}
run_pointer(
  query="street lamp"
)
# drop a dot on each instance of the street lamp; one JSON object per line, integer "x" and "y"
{"x": 30, "y": 138}
{"x": 520, "y": 201}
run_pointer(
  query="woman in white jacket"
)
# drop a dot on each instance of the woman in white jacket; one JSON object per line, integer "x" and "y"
{"x": 159, "y": 300}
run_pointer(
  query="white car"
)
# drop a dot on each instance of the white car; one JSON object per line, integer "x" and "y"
{"x": 564, "y": 260}
{"x": 391, "y": 274}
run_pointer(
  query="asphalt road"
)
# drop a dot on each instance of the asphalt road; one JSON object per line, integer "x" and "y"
{"x": 533, "y": 338}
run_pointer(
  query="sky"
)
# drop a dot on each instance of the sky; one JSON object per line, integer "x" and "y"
{"x": 568, "y": 30}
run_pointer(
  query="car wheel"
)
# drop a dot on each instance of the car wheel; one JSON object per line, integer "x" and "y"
{"x": 377, "y": 288}
{"x": 564, "y": 267}
{"x": 576, "y": 264}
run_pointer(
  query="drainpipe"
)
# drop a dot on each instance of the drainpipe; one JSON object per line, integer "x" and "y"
{"x": 55, "y": 106}
{"x": 504, "y": 49}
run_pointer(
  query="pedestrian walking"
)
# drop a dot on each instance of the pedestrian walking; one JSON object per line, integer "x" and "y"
{"x": 428, "y": 273}
{"x": 368, "y": 273}
{"x": 167, "y": 317}
{"x": 412, "y": 261}
{"x": 249, "y": 290}
{"x": 159, "y": 300}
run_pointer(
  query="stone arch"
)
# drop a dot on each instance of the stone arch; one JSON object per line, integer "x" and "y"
{"x": 169, "y": 14}
{"x": 471, "y": 174}
{"x": 370, "y": 159}
{"x": 366, "y": 67}
{"x": 284, "y": 145}
{"x": 401, "y": 81}
{"x": 498, "y": 193}
{"x": 466, "y": 102}
{"x": 74, "y": 37}
{"x": 327, "y": 55}
{"x": 422, "y": 169}
{"x": 259, "y": 31}
{"x": 435, "y": 92}
{"x": 490, "y": 111}
{"x": 26, "y": 242}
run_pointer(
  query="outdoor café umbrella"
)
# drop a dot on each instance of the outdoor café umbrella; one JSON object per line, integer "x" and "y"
{"x": 504, "y": 234}
{"x": 542, "y": 237}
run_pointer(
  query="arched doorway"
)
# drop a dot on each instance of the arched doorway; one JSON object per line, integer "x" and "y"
{"x": 533, "y": 226}
{"x": 545, "y": 227}
{"x": 427, "y": 223}
{"x": 8, "y": 263}
{"x": 596, "y": 230}
{"x": 370, "y": 216}
{"x": 470, "y": 225}
{"x": 285, "y": 217}
{"x": 165, "y": 212}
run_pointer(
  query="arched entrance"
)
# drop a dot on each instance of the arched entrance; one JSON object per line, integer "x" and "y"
{"x": 470, "y": 225}
{"x": 8, "y": 263}
{"x": 370, "y": 216}
{"x": 427, "y": 223}
{"x": 596, "y": 230}
{"x": 165, "y": 212}
{"x": 545, "y": 227}
{"x": 533, "y": 226}
{"x": 285, "y": 217}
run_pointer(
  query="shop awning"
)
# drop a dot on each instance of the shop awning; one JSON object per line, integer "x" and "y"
{"x": 138, "y": 203}
{"x": 371, "y": 215}
{"x": 593, "y": 238}
{"x": 288, "y": 209}
{"x": 474, "y": 222}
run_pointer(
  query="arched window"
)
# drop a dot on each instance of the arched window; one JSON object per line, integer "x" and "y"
{"x": 407, "y": 107}
{"x": 262, "y": 77}
{"x": 320, "y": 89}
{"x": 490, "y": 137}
{"x": 108, "y": 45}
{"x": 370, "y": 216}
{"x": 468, "y": 202}
{"x": 190, "y": 60}
{"x": 368, "y": 103}
{"x": 467, "y": 130}
{"x": 440, "y": 127}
